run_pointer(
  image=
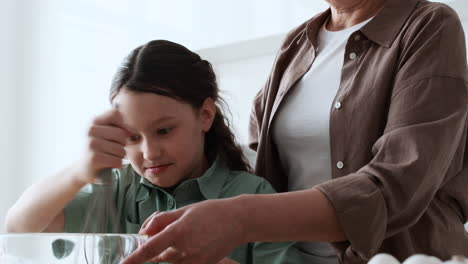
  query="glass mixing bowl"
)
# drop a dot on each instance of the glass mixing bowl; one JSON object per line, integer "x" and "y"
{"x": 67, "y": 248}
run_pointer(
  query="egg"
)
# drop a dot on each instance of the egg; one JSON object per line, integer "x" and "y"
{"x": 422, "y": 259}
{"x": 383, "y": 258}
{"x": 457, "y": 260}
{"x": 434, "y": 260}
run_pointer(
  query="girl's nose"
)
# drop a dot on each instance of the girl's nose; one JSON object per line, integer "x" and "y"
{"x": 151, "y": 150}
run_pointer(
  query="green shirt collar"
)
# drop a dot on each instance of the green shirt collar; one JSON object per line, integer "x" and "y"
{"x": 210, "y": 183}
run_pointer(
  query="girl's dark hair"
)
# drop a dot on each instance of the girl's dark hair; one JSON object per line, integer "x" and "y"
{"x": 170, "y": 69}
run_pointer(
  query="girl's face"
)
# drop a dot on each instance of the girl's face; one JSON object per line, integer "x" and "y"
{"x": 166, "y": 145}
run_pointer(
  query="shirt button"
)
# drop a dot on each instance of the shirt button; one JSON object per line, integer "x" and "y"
{"x": 357, "y": 37}
{"x": 337, "y": 105}
{"x": 352, "y": 55}
{"x": 171, "y": 203}
{"x": 340, "y": 165}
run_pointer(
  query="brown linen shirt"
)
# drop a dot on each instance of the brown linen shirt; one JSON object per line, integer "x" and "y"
{"x": 399, "y": 168}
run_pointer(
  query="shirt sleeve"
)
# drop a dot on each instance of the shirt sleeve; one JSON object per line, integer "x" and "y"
{"x": 426, "y": 128}
{"x": 276, "y": 253}
{"x": 76, "y": 209}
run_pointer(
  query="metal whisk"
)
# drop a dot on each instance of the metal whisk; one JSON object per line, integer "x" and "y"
{"x": 102, "y": 216}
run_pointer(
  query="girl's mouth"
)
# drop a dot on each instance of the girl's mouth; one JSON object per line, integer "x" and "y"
{"x": 157, "y": 169}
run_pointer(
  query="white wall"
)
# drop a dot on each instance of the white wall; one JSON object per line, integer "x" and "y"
{"x": 7, "y": 103}
{"x": 242, "y": 69}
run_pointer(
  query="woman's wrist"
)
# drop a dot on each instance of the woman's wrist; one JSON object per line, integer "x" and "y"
{"x": 241, "y": 208}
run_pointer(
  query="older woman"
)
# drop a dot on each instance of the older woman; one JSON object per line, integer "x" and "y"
{"x": 364, "y": 120}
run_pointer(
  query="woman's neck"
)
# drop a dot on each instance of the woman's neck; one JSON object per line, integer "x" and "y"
{"x": 347, "y": 15}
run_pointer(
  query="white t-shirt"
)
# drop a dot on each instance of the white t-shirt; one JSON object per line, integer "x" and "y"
{"x": 301, "y": 127}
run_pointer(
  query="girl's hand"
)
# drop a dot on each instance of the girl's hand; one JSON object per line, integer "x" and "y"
{"x": 105, "y": 147}
{"x": 202, "y": 233}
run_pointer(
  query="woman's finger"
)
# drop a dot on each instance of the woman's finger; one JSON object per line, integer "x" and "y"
{"x": 160, "y": 221}
{"x": 151, "y": 249}
{"x": 170, "y": 255}
{"x": 228, "y": 261}
{"x": 147, "y": 221}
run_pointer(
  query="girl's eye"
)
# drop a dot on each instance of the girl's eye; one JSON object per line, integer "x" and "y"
{"x": 134, "y": 138}
{"x": 164, "y": 131}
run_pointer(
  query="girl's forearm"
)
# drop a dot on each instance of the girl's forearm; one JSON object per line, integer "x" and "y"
{"x": 41, "y": 203}
{"x": 295, "y": 216}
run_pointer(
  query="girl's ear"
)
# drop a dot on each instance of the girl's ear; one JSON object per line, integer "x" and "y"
{"x": 207, "y": 114}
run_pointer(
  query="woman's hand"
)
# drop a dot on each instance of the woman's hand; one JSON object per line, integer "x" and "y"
{"x": 202, "y": 233}
{"x": 105, "y": 147}
{"x": 228, "y": 261}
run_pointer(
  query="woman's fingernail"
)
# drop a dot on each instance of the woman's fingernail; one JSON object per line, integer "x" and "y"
{"x": 142, "y": 231}
{"x": 147, "y": 226}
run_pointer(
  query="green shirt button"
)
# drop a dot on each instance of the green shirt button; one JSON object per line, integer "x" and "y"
{"x": 171, "y": 203}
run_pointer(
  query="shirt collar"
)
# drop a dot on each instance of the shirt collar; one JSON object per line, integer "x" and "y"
{"x": 382, "y": 29}
{"x": 386, "y": 25}
{"x": 210, "y": 183}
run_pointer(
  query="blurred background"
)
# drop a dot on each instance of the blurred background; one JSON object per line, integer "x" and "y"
{"x": 57, "y": 59}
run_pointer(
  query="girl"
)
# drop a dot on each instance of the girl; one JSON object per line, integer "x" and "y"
{"x": 166, "y": 121}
